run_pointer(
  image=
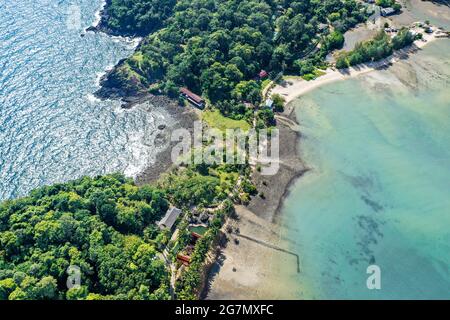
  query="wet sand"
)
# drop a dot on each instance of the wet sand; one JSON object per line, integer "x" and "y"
{"x": 276, "y": 187}
{"x": 261, "y": 266}
{"x": 246, "y": 270}
{"x": 415, "y": 10}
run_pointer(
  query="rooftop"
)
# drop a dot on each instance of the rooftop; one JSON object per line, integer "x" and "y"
{"x": 169, "y": 219}
{"x": 191, "y": 95}
{"x": 387, "y": 11}
{"x": 263, "y": 73}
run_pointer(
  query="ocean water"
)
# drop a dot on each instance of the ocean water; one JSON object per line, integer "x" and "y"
{"x": 52, "y": 129}
{"x": 379, "y": 189}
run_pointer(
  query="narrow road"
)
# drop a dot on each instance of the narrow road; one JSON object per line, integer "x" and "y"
{"x": 164, "y": 256}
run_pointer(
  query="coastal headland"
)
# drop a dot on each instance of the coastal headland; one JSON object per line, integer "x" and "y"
{"x": 243, "y": 267}
{"x": 228, "y": 228}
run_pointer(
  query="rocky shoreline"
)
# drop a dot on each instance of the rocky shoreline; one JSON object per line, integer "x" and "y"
{"x": 277, "y": 187}
{"x": 274, "y": 188}
{"x": 243, "y": 269}
{"x": 102, "y": 26}
{"x": 108, "y": 88}
{"x": 184, "y": 119}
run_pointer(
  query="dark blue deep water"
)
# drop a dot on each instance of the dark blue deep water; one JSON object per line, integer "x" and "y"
{"x": 52, "y": 129}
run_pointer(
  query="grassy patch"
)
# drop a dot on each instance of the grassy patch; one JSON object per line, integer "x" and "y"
{"x": 138, "y": 57}
{"x": 265, "y": 83}
{"x": 216, "y": 120}
{"x": 308, "y": 77}
{"x": 129, "y": 72}
{"x": 228, "y": 179}
{"x": 314, "y": 75}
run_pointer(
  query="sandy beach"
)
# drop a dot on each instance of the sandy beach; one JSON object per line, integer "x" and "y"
{"x": 293, "y": 88}
{"x": 245, "y": 269}
{"x": 260, "y": 266}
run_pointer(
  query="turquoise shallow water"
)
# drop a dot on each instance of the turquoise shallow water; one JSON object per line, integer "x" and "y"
{"x": 379, "y": 147}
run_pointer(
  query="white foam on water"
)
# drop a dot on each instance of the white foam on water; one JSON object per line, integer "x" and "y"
{"x": 132, "y": 42}
{"x": 141, "y": 155}
{"x": 92, "y": 99}
{"x": 59, "y": 130}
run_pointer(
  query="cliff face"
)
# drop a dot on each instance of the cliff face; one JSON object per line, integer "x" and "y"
{"x": 120, "y": 83}
{"x": 116, "y": 83}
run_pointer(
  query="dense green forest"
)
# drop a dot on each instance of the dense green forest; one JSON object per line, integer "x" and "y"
{"x": 217, "y": 47}
{"x": 137, "y": 17}
{"x": 381, "y": 46}
{"x": 104, "y": 225}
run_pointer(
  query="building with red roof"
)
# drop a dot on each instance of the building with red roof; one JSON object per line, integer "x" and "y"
{"x": 263, "y": 74}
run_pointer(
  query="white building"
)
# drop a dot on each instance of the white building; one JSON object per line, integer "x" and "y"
{"x": 387, "y": 11}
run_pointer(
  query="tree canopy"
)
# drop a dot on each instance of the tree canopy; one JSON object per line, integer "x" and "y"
{"x": 104, "y": 226}
{"x": 217, "y": 48}
{"x": 137, "y": 17}
{"x": 104, "y": 230}
{"x": 381, "y": 46}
